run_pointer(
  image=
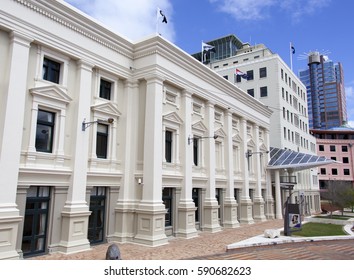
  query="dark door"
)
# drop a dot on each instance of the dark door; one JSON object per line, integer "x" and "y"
{"x": 35, "y": 227}
{"x": 97, "y": 217}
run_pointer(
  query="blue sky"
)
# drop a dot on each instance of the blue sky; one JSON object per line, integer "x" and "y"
{"x": 311, "y": 25}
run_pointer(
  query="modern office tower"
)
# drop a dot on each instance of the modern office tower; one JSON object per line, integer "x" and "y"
{"x": 267, "y": 78}
{"x": 326, "y": 99}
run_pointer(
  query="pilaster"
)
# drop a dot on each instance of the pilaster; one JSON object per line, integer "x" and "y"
{"x": 245, "y": 201}
{"x": 15, "y": 92}
{"x": 211, "y": 207}
{"x": 125, "y": 202}
{"x": 230, "y": 204}
{"x": 75, "y": 213}
{"x": 186, "y": 208}
{"x": 151, "y": 211}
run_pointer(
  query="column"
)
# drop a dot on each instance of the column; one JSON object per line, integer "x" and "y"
{"x": 230, "y": 204}
{"x": 125, "y": 204}
{"x": 186, "y": 207}
{"x": 245, "y": 201}
{"x": 269, "y": 203}
{"x": 151, "y": 211}
{"x": 76, "y": 212}
{"x": 12, "y": 115}
{"x": 211, "y": 207}
{"x": 278, "y": 208}
{"x": 258, "y": 202}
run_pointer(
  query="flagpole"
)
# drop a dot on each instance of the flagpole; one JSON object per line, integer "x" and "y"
{"x": 157, "y": 21}
{"x": 291, "y": 57}
{"x": 202, "y": 52}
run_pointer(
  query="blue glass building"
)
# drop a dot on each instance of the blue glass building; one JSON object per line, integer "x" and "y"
{"x": 326, "y": 99}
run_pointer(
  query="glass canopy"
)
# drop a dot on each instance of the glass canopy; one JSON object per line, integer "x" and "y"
{"x": 283, "y": 158}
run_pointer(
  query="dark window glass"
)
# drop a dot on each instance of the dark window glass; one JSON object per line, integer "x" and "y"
{"x": 168, "y": 146}
{"x": 51, "y": 70}
{"x": 263, "y": 72}
{"x": 344, "y": 148}
{"x": 332, "y": 148}
{"x": 346, "y": 171}
{"x": 334, "y": 171}
{"x": 321, "y": 148}
{"x": 102, "y": 141}
{"x": 238, "y": 78}
{"x": 250, "y": 75}
{"x": 45, "y": 131}
{"x": 345, "y": 160}
{"x": 323, "y": 171}
{"x": 251, "y": 92}
{"x": 105, "y": 89}
{"x": 195, "y": 151}
{"x": 264, "y": 91}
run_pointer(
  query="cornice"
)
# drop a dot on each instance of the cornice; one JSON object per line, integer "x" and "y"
{"x": 76, "y": 22}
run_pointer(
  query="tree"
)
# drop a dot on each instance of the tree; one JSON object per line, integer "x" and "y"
{"x": 337, "y": 195}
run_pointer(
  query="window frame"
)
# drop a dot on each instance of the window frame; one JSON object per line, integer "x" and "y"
{"x": 263, "y": 72}
{"x": 102, "y": 136}
{"x": 48, "y": 72}
{"x": 51, "y": 125}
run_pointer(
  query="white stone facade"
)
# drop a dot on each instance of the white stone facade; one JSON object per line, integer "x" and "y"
{"x": 285, "y": 94}
{"x": 150, "y": 141}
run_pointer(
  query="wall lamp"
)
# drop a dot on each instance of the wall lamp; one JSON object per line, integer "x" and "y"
{"x": 87, "y": 124}
{"x": 190, "y": 139}
{"x": 249, "y": 153}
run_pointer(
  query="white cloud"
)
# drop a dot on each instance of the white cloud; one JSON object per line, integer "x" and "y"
{"x": 133, "y": 19}
{"x": 256, "y": 10}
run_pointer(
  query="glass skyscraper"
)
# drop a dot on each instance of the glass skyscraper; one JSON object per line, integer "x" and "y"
{"x": 326, "y": 99}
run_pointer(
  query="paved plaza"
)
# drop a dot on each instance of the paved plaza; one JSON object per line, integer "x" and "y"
{"x": 214, "y": 246}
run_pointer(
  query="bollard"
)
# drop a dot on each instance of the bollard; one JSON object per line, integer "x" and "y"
{"x": 113, "y": 253}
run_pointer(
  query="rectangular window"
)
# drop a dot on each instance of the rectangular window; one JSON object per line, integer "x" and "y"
{"x": 346, "y": 172}
{"x": 334, "y": 171}
{"x": 332, "y": 148}
{"x": 264, "y": 91}
{"x": 51, "y": 70}
{"x": 323, "y": 171}
{"x": 344, "y": 148}
{"x": 45, "y": 131}
{"x": 321, "y": 148}
{"x": 105, "y": 89}
{"x": 238, "y": 79}
{"x": 195, "y": 151}
{"x": 345, "y": 160}
{"x": 102, "y": 141}
{"x": 168, "y": 146}
{"x": 251, "y": 92}
{"x": 250, "y": 75}
{"x": 263, "y": 72}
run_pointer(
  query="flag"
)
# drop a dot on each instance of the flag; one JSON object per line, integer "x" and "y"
{"x": 292, "y": 49}
{"x": 161, "y": 14}
{"x": 240, "y": 73}
{"x": 207, "y": 47}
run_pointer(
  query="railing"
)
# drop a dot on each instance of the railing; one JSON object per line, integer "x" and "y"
{"x": 288, "y": 179}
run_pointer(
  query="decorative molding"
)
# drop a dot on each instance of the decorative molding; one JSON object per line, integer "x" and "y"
{"x": 72, "y": 26}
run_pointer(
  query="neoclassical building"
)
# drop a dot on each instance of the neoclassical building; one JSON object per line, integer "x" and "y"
{"x": 103, "y": 139}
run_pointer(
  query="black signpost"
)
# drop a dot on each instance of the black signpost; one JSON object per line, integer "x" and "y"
{"x": 292, "y": 217}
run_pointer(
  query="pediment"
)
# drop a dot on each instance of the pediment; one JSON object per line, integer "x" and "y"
{"x": 220, "y": 133}
{"x": 250, "y": 143}
{"x": 173, "y": 117}
{"x": 106, "y": 108}
{"x": 51, "y": 92}
{"x": 199, "y": 126}
{"x": 236, "y": 138}
{"x": 263, "y": 148}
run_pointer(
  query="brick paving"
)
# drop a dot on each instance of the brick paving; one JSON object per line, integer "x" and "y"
{"x": 212, "y": 246}
{"x": 317, "y": 250}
